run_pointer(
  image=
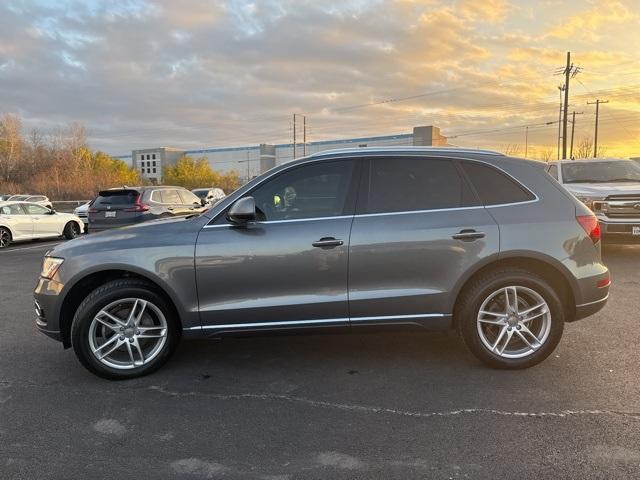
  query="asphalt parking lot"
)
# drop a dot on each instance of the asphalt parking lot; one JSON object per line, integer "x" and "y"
{"x": 401, "y": 405}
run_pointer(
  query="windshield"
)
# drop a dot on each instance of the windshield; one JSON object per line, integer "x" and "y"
{"x": 601, "y": 172}
{"x": 201, "y": 193}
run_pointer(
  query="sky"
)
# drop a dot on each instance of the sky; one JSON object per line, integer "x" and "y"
{"x": 195, "y": 74}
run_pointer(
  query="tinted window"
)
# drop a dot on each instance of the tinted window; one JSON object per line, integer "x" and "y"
{"x": 36, "y": 210}
{"x": 311, "y": 191}
{"x": 118, "y": 197}
{"x": 553, "y": 171}
{"x": 11, "y": 210}
{"x": 493, "y": 186}
{"x": 201, "y": 193}
{"x": 410, "y": 184}
{"x": 171, "y": 196}
{"x": 188, "y": 198}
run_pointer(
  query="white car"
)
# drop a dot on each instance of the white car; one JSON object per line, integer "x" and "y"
{"x": 82, "y": 212}
{"x": 210, "y": 196}
{"x": 26, "y": 221}
{"x": 39, "y": 199}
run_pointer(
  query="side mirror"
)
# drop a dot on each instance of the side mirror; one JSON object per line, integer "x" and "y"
{"x": 52, "y": 211}
{"x": 242, "y": 211}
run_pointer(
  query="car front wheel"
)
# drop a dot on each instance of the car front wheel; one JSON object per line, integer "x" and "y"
{"x": 71, "y": 230}
{"x": 5, "y": 237}
{"x": 510, "y": 318}
{"x": 124, "y": 329}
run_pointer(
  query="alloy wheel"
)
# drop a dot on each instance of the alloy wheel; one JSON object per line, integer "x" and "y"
{"x": 128, "y": 333}
{"x": 5, "y": 238}
{"x": 514, "y": 322}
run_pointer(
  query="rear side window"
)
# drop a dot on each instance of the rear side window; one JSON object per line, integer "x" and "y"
{"x": 411, "y": 184}
{"x": 127, "y": 197}
{"x": 494, "y": 186}
{"x": 11, "y": 210}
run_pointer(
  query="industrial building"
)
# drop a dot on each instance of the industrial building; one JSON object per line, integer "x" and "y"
{"x": 251, "y": 161}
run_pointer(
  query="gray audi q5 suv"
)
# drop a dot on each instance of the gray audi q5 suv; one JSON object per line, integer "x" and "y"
{"x": 430, "y": 238}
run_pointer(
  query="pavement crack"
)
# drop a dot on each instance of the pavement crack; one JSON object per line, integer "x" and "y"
{"x": 392, "y": 411}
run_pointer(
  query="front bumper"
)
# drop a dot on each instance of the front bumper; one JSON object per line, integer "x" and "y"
{"x": 47, "y": 307}
{"x": 619, "y": 230}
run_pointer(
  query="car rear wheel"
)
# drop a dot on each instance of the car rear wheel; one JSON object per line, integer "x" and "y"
{"x": 510, "y": 318}
{"x": 124, "y": 329}
{"x": 5, "y": 237}
{"x": 71, "y": 230}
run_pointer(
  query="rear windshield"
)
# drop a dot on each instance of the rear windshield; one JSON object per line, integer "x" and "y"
{"x": 601, "y": 172}
{"x": 126, "y": 197}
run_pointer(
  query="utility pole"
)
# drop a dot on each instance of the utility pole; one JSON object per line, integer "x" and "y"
{"x": 526, "y": 140}
{"x": 294, "y": 136}
{"x": 569, "y": 72}
{"x": 595, "y": 139}
{"x": 561, "y": 88}
{"x": 304, "y": 135}
{"x": 573, "y": 129}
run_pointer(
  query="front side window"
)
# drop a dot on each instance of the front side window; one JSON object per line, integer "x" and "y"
{"x": 171, "y": 196}
{"x": 493, "y": 186}
{"x": 413, "y": 184}
{"x": 309, "y": 191}
{"x": 188, "y": 198}
{"x": 36, "y": 210}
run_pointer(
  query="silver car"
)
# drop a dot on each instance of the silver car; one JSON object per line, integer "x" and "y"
{"x": 609, "y": 187}
{"x": 423, "y": 238}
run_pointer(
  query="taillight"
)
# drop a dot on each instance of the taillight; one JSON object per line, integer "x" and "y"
{"x": 590, "y": 225}
{"x": 92, "y": 210}
{"x": 138, "y": 206}
{"x": 604, "y": 282}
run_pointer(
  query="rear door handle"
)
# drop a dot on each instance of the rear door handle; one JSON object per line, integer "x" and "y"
{"x": 328, "y": 242}
{"x": 468, "y": 235}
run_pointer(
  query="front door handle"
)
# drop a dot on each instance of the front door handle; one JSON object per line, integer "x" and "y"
{"x": 468, "y": 235}
{"x": 328, "y": 242}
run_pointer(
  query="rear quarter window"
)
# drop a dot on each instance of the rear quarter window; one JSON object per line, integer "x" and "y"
{"x": 116, "y": 198}
{"x": 493, "y": 186}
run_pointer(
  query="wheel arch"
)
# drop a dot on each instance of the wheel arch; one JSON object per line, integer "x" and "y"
{"x": 89, "y": 282}
{"x": 546, "y": 267}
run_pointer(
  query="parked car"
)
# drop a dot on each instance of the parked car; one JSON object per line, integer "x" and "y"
{"x": 5, "y": 197}
{"x": 27, "y": 221}
{"x": 430, "y": 238}
{"x": 609, "y": 187}
{"x": 210, "y": 196}
{"x": 39, "y": 199}
{"x": 82, "y": 212}
{"x": 120, "y": 207}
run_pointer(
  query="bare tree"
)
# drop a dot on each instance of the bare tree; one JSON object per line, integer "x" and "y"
{"x": 11, "y": 144}
{"x": 512, "y": 149}
{"x": 546, "y": 155}
{"x": 585, "y": 148}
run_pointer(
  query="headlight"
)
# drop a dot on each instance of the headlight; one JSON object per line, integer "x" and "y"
{"x": 50, "y": 266}
{"x": 587, "y": 201}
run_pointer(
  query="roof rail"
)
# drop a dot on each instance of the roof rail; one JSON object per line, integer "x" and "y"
{"x": 425, "y": 149}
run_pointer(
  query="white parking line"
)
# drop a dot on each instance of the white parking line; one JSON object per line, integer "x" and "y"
{"x": 30, "y": 248}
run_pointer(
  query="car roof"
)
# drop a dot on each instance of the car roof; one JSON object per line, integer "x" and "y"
{"x": 591, "y": 160}
{"x": 405, "y": 149}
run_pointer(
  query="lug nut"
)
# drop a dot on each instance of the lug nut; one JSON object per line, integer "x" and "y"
{"x": 131, "y": 340}
{"x": 137, "y": 332}
{"x": 121, "y": 337}
{"x": 519, "y": 327}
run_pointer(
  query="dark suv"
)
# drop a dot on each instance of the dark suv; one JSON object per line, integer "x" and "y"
{"x": 118, "y": 207}
{"x": 422, "y": 238}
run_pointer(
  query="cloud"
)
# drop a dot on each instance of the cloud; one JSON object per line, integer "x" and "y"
{"x": 197, "y": 73}
{"x": 588, "y": 23}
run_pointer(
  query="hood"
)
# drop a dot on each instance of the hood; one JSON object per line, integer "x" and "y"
{"x": 602, "y": 190}
{"x": 165, "y": 231}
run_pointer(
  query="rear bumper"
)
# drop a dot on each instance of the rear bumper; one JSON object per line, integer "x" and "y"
{"x": 587, "y": 309}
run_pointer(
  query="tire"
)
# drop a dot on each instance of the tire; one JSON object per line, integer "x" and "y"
{"x": 156, "y": 335}
{"x": 5, "y": 237}
{"x": 71, "y": 230}
{"x": 490, "y": 293}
